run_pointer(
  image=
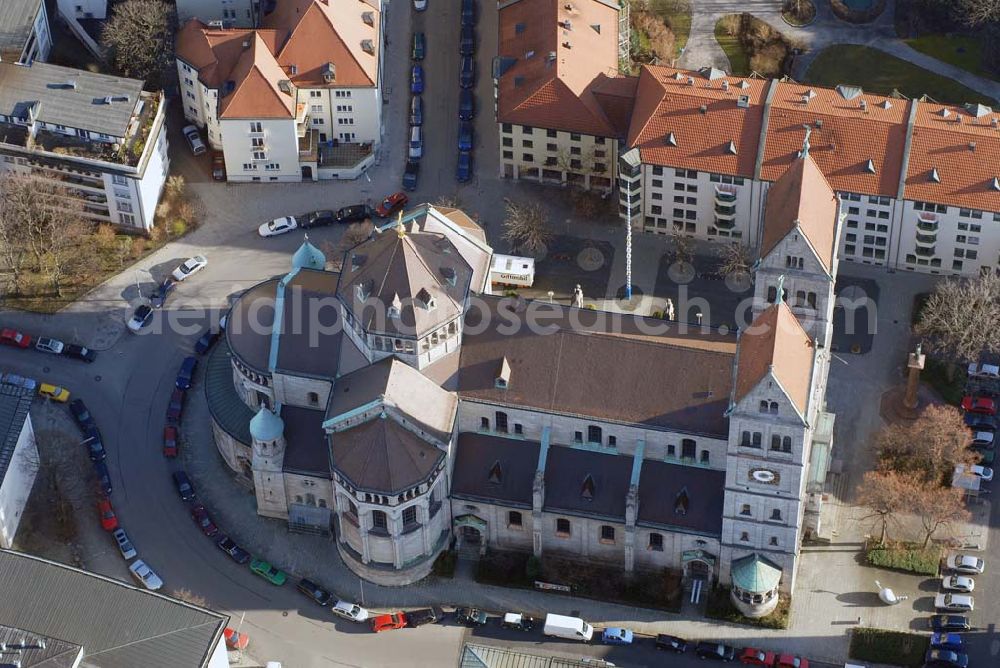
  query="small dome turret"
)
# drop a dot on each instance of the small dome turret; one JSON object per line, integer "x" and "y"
{"x": 265, "y": 426}
{"x": 308, "y": 256}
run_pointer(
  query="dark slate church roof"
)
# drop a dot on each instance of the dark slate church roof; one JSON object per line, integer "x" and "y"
{"x": 383, "y": 456}
{"x": 586, "y": 482}
{"x": 477, "y": 475}
{"x": 662, "y": 488}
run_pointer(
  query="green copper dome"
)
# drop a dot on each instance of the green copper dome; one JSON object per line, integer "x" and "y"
{"x": 265, "y": 426}
{"x": 308, "y": 257}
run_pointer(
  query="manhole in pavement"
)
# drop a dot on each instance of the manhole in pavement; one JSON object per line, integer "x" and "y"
{"x": 45, "y": 369}
{"x": 590, "y": 259}
{"x": 97, "y": 378}
{"x": 284, "y": 613}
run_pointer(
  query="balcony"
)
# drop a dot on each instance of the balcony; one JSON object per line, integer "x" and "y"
{"x": 927, "y": 226}
{"x": 927, "y": 217}
{"x": 725, "y": 212}
{"x": 725, "y": 193}
{"x": 925, "y": 252}
{"x": 926, "y": 239}
{"x": 725, "y": 223}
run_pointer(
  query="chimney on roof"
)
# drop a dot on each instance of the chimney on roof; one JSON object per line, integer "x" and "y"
{"x": 671, "y": 139}
{"x": 678, "y": 76}
{"x": 285, "y": 86}
{"x": 995, "y": 122}
{"x": 703, "y": 109}
{"x": 725, "y": 86}
{"x": 690, "y": 81}
{"x": 972, "y": 146}
{"x": 805, "y": 99}
{"x": 819, "y": 124}
{"x": 246, "y": 44}
{"x": 743, "y": 102}
{"x": 863, "y": 105}
{"x": 567, "y": 45}
{"x": 368, "y": 46}
{"x": 502, "y": 380}
{"x": 566, "y": 24}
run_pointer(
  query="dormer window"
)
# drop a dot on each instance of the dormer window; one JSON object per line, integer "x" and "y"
{"x": 425, "y": 299}
{"x": 502, "y": 380}
{"x": 682, "y": 502}
{"x": 588, "y": 488}
{"x": 496, "y": 473}
{"x": 396, "y": 307}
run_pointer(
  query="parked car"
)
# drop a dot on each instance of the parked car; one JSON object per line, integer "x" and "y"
{"x": 103, "y": 477}
{"x": 977, "y": 422}
{"x": 317, "y": 219}
{"x": 79, "y": 352}
{"x": 751, "y": 656}
{"x": 467, "y": 41}
{"x": 353, "y": 213}
{"x": 944, "y": 658}
{"x": 419, "y": 46}
{"x": 952, "y": 641}
{"x": 391, "y": 204}
{"x": 466, "y": 105}
{"x": 206, "y": 341}
{"x": 463, "y": 169}
{"x": 140, "y": 318}
{"x": 235, "y": 640}
{"x": 162, "y": 291}
{"x": 715, "y": 650}
{"x": 941, "y": 623}
{"x": 229, "y": 546}
{"x": 186, "y": 372}
{"x": 124, "y": 544}
{"x": 983, "y": 439}
{"x": 273, "y": 575}
{"x": 12, "y": 337}
{"x": 415, "y": 149}
{"x": 962, "y": 583}
{"x": 470, "y": 616}
{"x": 982, "y": 405}
{"x": 95, "y": 446}
{"x": 109, "y": 521}
{"x": 954, "y": 602}
{"x": 616, "y": 635}
{"x": 984, "y": 371}
{"x": 189, "y": 267}
{"x": 202, "y": 519}
{"x": 986, "y": 456}
{"x": 176, "y": 406}
{"x": 671, "y": 643}
{"x": 416, "y": 110}
{"x": 466, "y": 136}
{"x": 184, "y": 486}
{"x": 144, "y": 574}
{"x": 314, "y": 591}
{"x": 966, "y": 563}
{"x": 985, "y": 473}
{"x": 395, "y": 620}
{"x": 218, "y": 166}
{"x": 170, "y": 440}
{"x": 46, "y": 345}
{"x": 81, "y": 415}
{"x": 791, "y": 661}
{"x": 410, "y": 174}
{"x": 19, "y": 381}
{"x": 417, "y": 79}
{"x": 348, "y": 610}
{"x": 53, "y": 392}
{"x": 516, "y": 621}
{"x": 194, "y": 139}
{"x": 469, "y": 12}
{"x": 467, "y": 72}
{"x": 416, "y": 618}
{"x": 277, "y": 226}
{"x": 419, "y": 5}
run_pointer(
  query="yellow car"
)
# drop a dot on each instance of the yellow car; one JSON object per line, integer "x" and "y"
{"x": 53, "y": 392}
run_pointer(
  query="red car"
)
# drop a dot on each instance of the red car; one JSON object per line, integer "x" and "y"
{"x": 12, "y": 337}
{"x": 982, "y": 405}
{"x": 235, "y": 639}
{"x": 757, "y": 657}
{"x": 392, "y": 204}
{"x": 170, "y": 441}
{"x": 109, "y": 521}
{"x": 201, "y": 518}
{"x": 396, "y": 620}
{"x": 791, "y": 661}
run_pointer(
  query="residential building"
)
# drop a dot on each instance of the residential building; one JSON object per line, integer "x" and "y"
{"x": 421, "y": 410}
{"x": 52, "y": 614}
{"x": 560, "y": 103}
{"x": 298, "y": 99}
{"x": 102, "y": 138}
{"x": 18, "y": 458}
{"x": 223, "y": 13}
{"x": 83, "y": 9}
{"x": 25, "y": 35}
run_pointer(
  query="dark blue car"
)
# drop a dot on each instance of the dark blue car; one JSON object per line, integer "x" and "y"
{"x": 468, "y": 12}
{"x": 410, "y": 174}
{"x": 466, "y": 105}
{"x": 184, "y": 486}
{"x": 467, "y": 41}
{"x": 949, "y": 641}
{"x": 206, "y": 341}
{"x": 94, "y": 445}
{"x": 465, "y": 136}
{"x": 467, "y": 76}
{"x": 159, "y": 296}
{"x": 463, "y": 171}
{"x": 103, "y": 477}
{"x": 186, "y": 373}
{"x": 417, "y": 80}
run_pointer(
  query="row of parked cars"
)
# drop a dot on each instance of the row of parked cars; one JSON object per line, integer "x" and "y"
{"x": 344, "y": 215}
{"x": 466, "y": 100}
{"x": 44, "y": 344}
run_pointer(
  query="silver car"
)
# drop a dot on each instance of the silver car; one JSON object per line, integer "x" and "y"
{"x": 124, "y": 544}
{"x": 144, "y": 574}
{"x": 966, "y": 563}
{"x": 348, "y": 610}
{"x": 47, "y": 345}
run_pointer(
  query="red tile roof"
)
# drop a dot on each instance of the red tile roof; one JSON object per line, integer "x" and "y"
{"x": 846, "y": 134}
{"x": 802, "y": 198}
{"x": 963, "y": 145}
{"x": 703, "y": 112}
{"x": 257, "y": 93}
{"x": 552, "y": 59}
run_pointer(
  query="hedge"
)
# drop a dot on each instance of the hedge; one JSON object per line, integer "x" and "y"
{"x": 905, "y": 557}
{"x": 896, "y": 648}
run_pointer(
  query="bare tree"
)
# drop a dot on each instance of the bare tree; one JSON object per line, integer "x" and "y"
{"x": 139, "y": 40}
{"x": 939, "y": 507}
{"x": 734, "y": 259}
{"x": 64, "y": 259}
{"x": 526, "y": 227}
{"x": 961, "y": 319}
{"x": 978, "y": 12}
{"x": 449, "y": 201}
{"x": 929, "y": 447}
{"x": 353, "y": 235}
{"x": 886, "y": 494}
{"x": 681, "y": 248}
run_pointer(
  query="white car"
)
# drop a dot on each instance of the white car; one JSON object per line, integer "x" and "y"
{"x": 47, "y": 345}
{"x": 954, "y": 602}
{"x": 419, "y": 5}
{"x": 984, "y": 370}
{"x": 985, "y": 473}
{"x": 966, "y": 563}
{"x": 191, "y": 266}
{"x": 982, "y": 439}
{"x": 962, "y": 583}
{"x": 141, "y": 316}
{"x": 144, "y": 574}
{"x": 348, "y": 610}
{"x": 194, "y": 139}
{"x": 278, "y": 226}
{"x": 124, "y": 544}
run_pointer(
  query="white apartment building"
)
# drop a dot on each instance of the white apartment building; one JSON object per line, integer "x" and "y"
{"x": 24, "y": 31}
{"x": 18, "y": 458}
{"x": 223, "y": 13}
{"x": 83, "y": 9}
{"x": 100, "y": 137}
{"x": 287, "y": 103}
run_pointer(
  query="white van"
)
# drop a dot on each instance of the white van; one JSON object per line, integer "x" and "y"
{"x": 416, "y": 143}
{"x": 568, "y": 628}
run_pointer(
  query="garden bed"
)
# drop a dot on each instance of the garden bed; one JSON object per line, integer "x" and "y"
{"x": 753, "y": 46}
{"x": 890, "y": 647}
{"x": 905, "y": 557}
{"x": 720, "y": 606}
{"x": 798, "y": 13}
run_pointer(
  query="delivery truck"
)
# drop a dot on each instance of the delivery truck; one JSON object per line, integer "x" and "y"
{"x": 569, "y": 628}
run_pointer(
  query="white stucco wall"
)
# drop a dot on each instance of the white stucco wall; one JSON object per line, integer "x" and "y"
{"x": 16, "y": 484}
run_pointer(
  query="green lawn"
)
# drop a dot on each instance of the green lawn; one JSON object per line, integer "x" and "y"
{"x": 965, "y": 51}
{"x": 878, "y": 72}
{"x": 677, "y": 15}
{"x": 738, "y": 63}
